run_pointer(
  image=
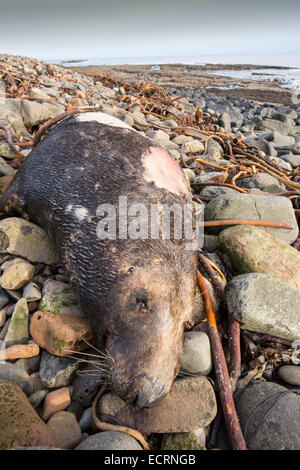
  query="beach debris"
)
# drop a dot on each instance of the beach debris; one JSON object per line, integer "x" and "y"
{"x": 222, "y": 377}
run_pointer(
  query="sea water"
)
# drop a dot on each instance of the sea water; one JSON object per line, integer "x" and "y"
{"x": 288, "y": 77}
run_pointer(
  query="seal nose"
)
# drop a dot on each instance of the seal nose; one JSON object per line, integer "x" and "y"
{"x": 144, "y": 397}
{"x": 145, "y": 400}
{"x": 147, "y": 396}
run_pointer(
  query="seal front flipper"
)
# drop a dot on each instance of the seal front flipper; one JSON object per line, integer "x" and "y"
{"x": 12, "y": 203}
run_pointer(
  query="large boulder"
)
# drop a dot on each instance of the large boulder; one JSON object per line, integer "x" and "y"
{"x": 59, "y": 297}
{"x": 265, "y": 304}
{"x": 34, "y": 113}
{"x": 253, "y": 250}
{"x": 65, "y": 430}
{"x": 20, "y": 424}
{"x": 20, "y": 237}
{"x": 60, "y": 334}
{"x": 255, "y": 207}
{"x": 16, "y": 375}
{"x": 11, "y": 117}
{"x": 270, "y": 416}
{"x": 189, "y": 405}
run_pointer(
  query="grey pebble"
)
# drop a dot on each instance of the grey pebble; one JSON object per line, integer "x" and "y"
{"x": 86, "y": 419}
{"x": 14, "y": 374}
{"x": 109, "y": 440}
{"x": 37, "y": 397}
{"x": 289, "y": 374}
{"x": 56, "y": 372}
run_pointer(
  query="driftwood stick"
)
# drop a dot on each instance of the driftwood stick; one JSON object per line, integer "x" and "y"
{"x": 9, "y": 140}
{"x": 59, "y": 118}
{"x": 225, "y": 185}
{"x": 233, "y": 326}
{"x": 234, "y": 345}
{"x": 263, "y": 223}
{"x": 215, "y": 278}
{"x": 113, "y": 427}
{"x": 231, "y": 419}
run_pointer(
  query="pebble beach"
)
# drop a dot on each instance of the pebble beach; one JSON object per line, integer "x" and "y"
{"x": 238, "y": 144}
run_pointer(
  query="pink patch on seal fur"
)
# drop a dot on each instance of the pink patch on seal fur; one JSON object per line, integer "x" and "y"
{"x": 164, "y": 171}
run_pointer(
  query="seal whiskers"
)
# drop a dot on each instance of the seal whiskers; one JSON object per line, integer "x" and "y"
{"x": 98, "y": 365}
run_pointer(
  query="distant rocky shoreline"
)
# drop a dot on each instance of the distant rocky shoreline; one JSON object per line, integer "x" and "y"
{"x": 196, "y": 77}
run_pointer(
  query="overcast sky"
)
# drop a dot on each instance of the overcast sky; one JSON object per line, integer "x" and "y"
{"x": 70, "y": 29}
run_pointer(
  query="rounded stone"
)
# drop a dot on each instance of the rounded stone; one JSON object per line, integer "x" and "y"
{"x": 20, "y": 424}
{"x": 289, "y": 374}
{"x": 253, "y": 250}
{"x": 196, "y": 355}
{"x": 12, "y": 373}
{"x": 32, "y": 292}
{"x": 262, "y": 303}
{"x": 60, "y": 335}
{"x": 181, "y": 441}
{"x": 17, "y": 275}
{"x": 57, "y": 400}
{"x": 37, "y": 397}
{"x": 59, "y": 297}
{"x": 56, "y": 371}
{"x": 189, "y": 405}
{"x": 86, "y": 419}
{"x": 182, "y": 139}
{"x": 109, "y": 440}
{"x": 161, "y": 137}
{"x": 65, "y": 430}
{"x": 270, "y": 416}
{"x": 18, "y": 328}
{"x": 254, "y": 207}
{"x": 260, "y": 181}
{"x": 23, "y": 238}
{"x": 194, "y": 147}
{"x": 215, "y": 191}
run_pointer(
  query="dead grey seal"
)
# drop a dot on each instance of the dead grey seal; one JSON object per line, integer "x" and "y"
{"x": 136, "y": 291}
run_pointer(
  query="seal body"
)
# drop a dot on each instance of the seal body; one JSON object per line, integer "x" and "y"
{"x": 137, "y": 291}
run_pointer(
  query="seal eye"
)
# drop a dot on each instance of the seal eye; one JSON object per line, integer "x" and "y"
{"x": 142, "y": 303}
{"x": 131, "y": 269}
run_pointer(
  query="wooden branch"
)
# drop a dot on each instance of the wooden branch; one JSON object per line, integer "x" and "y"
{"x": 231, "y": 419}
{"x": 113, "y": 427}
{"x": 259, "y": 223}
{"x": 225, "y": 185}
{"x": 233, "y": 326}
{"x": 234, "y": 344}
{"x": 59, "y": 118}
